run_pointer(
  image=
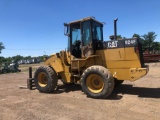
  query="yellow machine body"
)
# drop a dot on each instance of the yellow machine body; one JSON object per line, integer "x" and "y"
{"x": 120, "y": 57}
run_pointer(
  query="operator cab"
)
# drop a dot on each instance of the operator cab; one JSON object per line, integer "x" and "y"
{"x": 84, "y": 37}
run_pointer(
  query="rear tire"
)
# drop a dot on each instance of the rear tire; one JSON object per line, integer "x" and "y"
{"x": 97, "y": 82}
{"x": 45, "y": 79}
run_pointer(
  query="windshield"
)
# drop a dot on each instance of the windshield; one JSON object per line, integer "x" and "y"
{"x": 97, "y": 31}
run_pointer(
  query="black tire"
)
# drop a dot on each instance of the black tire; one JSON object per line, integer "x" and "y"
{"x": 117, "y": 82}
{"x": 97, "y": 82}
{"x": 45, "y": 79}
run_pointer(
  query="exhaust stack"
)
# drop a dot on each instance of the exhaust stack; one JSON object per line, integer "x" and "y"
{"x": 115, "y": 29}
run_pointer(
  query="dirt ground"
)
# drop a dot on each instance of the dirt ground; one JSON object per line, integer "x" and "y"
{"x": 139, "y": 100}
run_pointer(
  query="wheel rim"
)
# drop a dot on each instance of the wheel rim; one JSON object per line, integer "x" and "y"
{"x": 42, "y": 79}
{"x": 95, "y": 83}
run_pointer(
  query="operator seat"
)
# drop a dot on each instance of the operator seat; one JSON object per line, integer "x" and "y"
{"x": 76, "y": 50}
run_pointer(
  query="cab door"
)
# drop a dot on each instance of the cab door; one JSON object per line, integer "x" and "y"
{"x": 87, "y": 48}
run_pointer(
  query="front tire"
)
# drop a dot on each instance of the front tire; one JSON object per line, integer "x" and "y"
{"x": 97, "y": 82}
{"x": 45, "y": 79}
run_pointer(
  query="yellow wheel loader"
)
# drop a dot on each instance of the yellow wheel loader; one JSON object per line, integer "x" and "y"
{"x": 96, "y": 64}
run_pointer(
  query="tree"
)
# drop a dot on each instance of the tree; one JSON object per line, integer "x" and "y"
{"x": 149, "y": 39}
{"x": 120, "y": 37}
{"x": 27, "y": 57}
{"x": 1, "y": 46}
{"x": 17, "y": 58}
{"x": 156, "y": 46}
{"x": 8, "y": 60}
{"x": 136, "y": 35}
{"x": 141, "y": 40}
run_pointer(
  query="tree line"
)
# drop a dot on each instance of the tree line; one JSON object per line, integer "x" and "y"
{"x": 15, "y": 58}
{"x": 18, "y": 58}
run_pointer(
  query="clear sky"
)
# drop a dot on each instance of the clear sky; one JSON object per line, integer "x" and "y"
{"x": 35, "y": 27}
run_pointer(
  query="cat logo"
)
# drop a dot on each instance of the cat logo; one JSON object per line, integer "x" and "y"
{"x": 112, "y": 44}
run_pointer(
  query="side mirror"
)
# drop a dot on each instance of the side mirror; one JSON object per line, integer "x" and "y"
{"x": 66, "y": 29}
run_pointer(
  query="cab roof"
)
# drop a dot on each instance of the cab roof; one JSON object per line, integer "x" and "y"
{"x": 86, "y": 19}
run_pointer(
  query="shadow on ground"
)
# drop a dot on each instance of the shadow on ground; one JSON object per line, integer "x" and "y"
{"x": 68, "y": 88}
{"x": 140, "y": 91}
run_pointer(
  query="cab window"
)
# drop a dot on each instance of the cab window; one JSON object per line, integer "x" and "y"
{"x": 97, "y": 31}
{"x": 86, "y": 37}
